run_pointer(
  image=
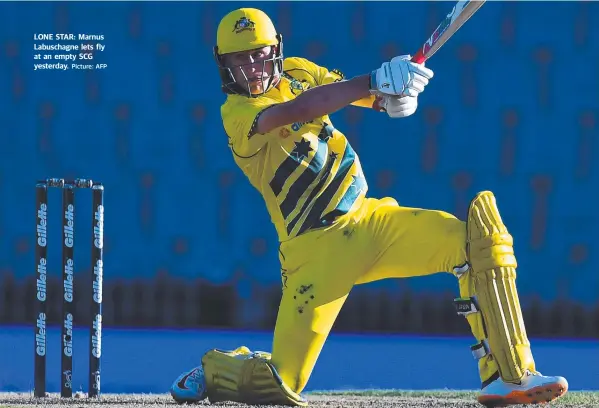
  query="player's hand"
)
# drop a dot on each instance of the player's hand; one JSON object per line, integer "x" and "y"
{"x": 397, "y": 106}
{"x": 400, "y": 77}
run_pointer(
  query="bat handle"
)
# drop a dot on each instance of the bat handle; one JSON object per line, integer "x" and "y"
{"x": 419, "y": 58}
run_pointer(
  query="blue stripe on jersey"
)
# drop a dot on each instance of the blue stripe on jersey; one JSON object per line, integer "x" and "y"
{"x": 307, "y": 177}
{"x": 321, "y": 202}
{"x": 323, "y": 179}
{"x": 292, "y": 162}
{"x": 357, "y": 186}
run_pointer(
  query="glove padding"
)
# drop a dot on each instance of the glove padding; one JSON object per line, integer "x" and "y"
{"x": 400, "y": 77}
{"x": 397, "y": 106}
{"x": 248, "y": 377}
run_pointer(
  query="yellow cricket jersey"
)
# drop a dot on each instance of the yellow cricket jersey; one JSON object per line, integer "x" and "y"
{"x": 307, "y": 173}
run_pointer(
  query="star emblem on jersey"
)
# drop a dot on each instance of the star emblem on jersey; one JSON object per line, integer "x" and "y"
{"x": 302, "y": 149}
{"x": 244, "y": 24}
{"x": 326, "y": 132}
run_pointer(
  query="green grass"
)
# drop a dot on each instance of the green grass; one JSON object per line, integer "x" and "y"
{"x": 585, "y": 398}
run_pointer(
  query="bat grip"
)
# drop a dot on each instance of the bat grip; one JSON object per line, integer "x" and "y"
{"x": 419, "y": 58}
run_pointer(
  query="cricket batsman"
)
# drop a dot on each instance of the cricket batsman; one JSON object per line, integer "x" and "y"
{"x": 334, "y": 236}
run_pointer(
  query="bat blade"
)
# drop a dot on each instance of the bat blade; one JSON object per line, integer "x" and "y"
{"x": 462, "y": 11}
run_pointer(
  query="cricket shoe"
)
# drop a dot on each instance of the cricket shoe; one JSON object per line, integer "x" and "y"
{"x": 190, "y": 387}
{"x": 534, "y": 388}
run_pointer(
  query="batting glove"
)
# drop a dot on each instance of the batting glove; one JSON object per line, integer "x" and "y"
{"x": 399, "y": 106}
{"x": 400, "y": 77}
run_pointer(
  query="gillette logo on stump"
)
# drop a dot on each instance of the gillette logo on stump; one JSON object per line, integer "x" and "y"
{"x": 97, "y": 284}
{"x": 68, "y": 280}
{"x": 40, "y": 335}
{"x": 69, "y": 216}
{"x": 42, "y": 214}
{"x": 97, "y": 336}
{"x": 41, "y": 280}
{"x": 99, "y": 227}
{"x": 67, "y": 339}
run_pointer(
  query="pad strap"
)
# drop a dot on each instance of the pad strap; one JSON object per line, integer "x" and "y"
{"x": 466, "y": 307}
{"x": 481, "y": 349}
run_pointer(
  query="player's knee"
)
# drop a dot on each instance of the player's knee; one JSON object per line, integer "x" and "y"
{"x": 449, "y": 236}
{"x": 490, "y": 243}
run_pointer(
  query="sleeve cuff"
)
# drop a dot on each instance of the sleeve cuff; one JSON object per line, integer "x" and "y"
{"x": 252, "y": 131}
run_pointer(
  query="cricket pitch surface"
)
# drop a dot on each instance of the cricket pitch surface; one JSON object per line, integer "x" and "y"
{"x": 346, "y": 399}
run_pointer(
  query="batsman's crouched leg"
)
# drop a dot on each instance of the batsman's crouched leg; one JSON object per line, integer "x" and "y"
{"x": 247, "y": 377}
{"x": 489, "y": 296}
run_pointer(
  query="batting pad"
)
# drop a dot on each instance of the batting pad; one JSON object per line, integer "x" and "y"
{"x": 248, "y": 377}
{"x": 491, "y": 255}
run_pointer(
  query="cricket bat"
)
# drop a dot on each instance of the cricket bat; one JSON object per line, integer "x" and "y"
{"x": 462, "y": 11}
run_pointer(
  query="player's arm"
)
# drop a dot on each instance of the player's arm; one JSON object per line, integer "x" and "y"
{"x": 327, "y": 77}
{"x": 398, "y": 77}
{"x": 395, "y": 106}
{"x": 313, "y": 103}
